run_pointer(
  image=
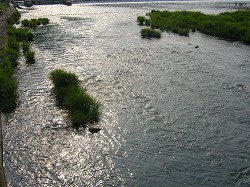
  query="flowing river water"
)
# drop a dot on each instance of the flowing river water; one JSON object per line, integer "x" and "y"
{"x": 172, "y": 114}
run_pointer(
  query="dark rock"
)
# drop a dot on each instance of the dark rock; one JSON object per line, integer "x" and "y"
{"x": 94, "y": 129}
{"x": 197, "y": 46}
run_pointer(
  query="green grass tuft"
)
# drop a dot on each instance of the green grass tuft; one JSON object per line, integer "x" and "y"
{"x": 150, "y": 33}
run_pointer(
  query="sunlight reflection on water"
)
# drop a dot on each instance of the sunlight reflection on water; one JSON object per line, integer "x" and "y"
{"x": 170, "y": 112}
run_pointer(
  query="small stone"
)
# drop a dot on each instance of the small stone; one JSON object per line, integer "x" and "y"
{"x": 94, "y": 129}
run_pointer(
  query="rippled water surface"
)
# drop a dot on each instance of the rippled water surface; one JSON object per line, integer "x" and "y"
{"x": 172, "y": 114}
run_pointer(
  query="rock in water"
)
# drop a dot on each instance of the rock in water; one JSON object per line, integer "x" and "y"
{"x": 94, "y": 129}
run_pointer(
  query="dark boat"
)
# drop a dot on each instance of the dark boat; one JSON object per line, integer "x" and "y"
{"x": 28, "y": 3}
{"x": 67, "y": 2}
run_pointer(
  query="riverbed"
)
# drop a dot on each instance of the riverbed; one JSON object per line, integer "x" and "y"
{"x": 175, "y": 110}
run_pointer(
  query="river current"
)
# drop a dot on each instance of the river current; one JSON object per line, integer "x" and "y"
{"x": 175, "y": 110}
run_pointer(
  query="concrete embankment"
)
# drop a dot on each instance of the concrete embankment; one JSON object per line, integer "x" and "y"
{"x": 2, "y": 174}
{"x": 3, "y": 38}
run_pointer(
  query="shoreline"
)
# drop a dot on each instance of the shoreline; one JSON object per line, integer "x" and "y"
{"x": 3, "y": 45}
{"x": 3, "y": 38}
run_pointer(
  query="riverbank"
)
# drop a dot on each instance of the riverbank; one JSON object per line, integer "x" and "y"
{"x": 3, "y": 38}
{"x": 3, "y": 45}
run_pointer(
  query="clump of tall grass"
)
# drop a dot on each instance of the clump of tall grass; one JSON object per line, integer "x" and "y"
{"x": 140, "y": 20}
{"x": 81, "y": 107}
{"x": 34, "y": 22}
{"x": 30, "y": 57}
{"x": 20, "y": 34}
{"x": 150, "y": 33}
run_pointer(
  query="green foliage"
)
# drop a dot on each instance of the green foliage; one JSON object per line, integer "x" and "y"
{"x": 63, "y": 79}
{"x": 30, "y": 57}
{"x": 6, "y": 67}
{"x": 15, "y": 16}
{"x": 150, "y": 33}
{"x": 140, "y": 20}
{"x": 20, "y": 34}
{"x": 12, "y": 55}
{"x": 82, "y": 108}
{"x": 8, "y": 94}
{"x": 147, "y": 22}
{"x": 3, "y": 6}
{"x": 34, "y": 22}
{"x": 25, "y": 23}
{"x": 229, "y": 25}
{"x": 25, "y": 47}
{"x": 13, "y": 43}
{"x": 30, "y": 36}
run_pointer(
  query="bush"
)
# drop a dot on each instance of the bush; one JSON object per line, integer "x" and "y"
{"x": 150, "y": 33}
{"x": 82, "y": 108}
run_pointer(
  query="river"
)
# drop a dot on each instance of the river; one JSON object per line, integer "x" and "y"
{"x": 173, "y": 114}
